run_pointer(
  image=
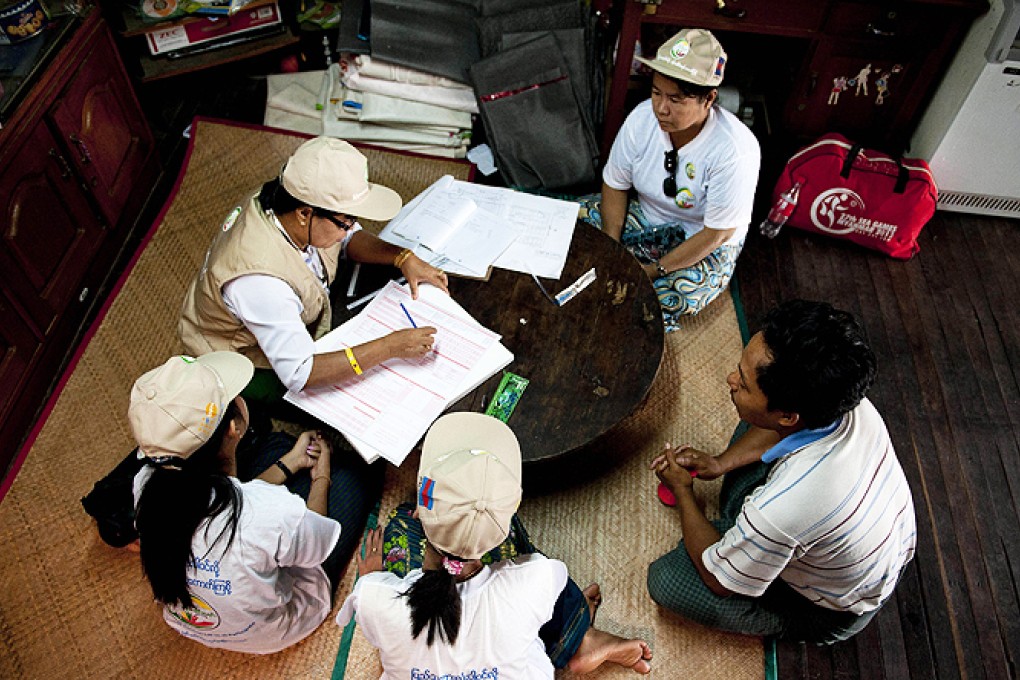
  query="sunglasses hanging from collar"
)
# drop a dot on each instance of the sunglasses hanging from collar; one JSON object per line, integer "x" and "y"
{"x": 669, "y": 163}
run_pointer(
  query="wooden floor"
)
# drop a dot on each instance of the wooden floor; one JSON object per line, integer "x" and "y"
{"x": 946, "y": 329}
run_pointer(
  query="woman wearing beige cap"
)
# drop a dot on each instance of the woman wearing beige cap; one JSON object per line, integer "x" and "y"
{"x": 459, "y": 615}
{"x": 244, "y": 566}
{"x": 264, "y": 288}
{"x": 694, "y": 168}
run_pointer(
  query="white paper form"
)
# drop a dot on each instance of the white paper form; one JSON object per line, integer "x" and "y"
{"x": 544, "y": 227}
{"x": 385, "y": 411}
{"x": 436, "y": 219}
{"x": 450, "y": 231}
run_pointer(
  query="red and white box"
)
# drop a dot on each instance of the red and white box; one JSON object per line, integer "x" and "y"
{"x": 197, "y": 30}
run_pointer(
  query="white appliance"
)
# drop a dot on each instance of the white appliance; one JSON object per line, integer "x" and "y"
{"x": 970, "y": 133}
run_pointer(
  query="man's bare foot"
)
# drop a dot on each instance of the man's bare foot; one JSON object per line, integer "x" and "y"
{"x": 598, "y": 647}
{"x": 593, "y": 594}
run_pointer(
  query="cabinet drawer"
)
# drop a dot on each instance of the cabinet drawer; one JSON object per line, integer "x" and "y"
{"x": 887, "y": 21}
{"x": 777, "y": 17}
{"x": 18, "y": 346}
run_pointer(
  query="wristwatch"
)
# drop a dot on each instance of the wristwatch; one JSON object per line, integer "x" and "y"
{"x": 659, "y": 268}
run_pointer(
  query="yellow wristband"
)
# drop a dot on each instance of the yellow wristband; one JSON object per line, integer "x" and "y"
{"x": 398, "y": 261}
{"x": 354, "y": 362}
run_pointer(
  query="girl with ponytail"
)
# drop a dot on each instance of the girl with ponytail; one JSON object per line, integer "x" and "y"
{"x": 245, "y": 566}
{"x": 457, "y": 616}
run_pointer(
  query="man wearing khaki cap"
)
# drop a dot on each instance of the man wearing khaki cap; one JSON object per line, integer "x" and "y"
{"x": 694, "y": 168}
{"x": 263, "y": 290}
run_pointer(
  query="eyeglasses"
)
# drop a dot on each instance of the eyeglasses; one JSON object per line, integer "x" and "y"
{"x": 347, "y": 223}
{"x": 669, "y": 186}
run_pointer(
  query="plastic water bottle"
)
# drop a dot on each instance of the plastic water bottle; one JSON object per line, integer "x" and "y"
{"x": 780, "y": 212}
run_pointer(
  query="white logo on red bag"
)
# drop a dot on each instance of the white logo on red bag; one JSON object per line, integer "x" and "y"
{"x": 842, "y": 211}
{"x": 828, "y": 209}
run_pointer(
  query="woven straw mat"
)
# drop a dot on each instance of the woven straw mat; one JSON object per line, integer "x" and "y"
{"x": 72, "y": 607}
{"x": 609, "y": 529}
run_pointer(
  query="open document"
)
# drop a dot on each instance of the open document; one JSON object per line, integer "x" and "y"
{"x": 385, "y": 411}
{"x": 461, "y": 227}
{"x": 450, "y": 231}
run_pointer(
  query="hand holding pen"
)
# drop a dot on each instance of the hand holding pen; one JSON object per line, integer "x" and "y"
{"x": 410, "y": 343}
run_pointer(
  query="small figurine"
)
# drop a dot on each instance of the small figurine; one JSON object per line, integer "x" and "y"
{"x": 838, "y": 85}
{"x": 862, "y": 80}
{"x": 882, "y": 84}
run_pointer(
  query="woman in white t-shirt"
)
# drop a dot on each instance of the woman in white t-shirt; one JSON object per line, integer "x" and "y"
{"x": 243, "y": 566}
{"x": 694, "y": 167}
{"x": 458, "y": 617}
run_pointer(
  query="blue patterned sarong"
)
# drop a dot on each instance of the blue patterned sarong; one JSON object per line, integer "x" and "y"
{"x": 685, "y": 291}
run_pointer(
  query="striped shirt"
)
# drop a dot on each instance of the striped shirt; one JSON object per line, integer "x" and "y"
{"x": 834, "y": 520}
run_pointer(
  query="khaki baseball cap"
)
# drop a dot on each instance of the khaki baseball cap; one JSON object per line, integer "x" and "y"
{"x": 692, "y": 55}
{"x": 176, "y": 407}
{"x": 469, "y": 483}
{"x": 329, "y": 173}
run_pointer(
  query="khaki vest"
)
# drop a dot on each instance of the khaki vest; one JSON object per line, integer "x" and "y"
{"x": 250, "y": 243}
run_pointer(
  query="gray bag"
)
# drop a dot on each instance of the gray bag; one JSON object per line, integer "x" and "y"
{"x": 533, "y": 120}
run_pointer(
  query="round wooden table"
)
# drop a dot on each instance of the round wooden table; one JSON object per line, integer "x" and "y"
{"x": 590, "y": 362}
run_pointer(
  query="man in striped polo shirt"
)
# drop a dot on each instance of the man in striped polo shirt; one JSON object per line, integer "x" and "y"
{"x": 817, "y": 520}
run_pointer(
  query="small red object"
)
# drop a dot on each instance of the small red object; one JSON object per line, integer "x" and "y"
{"x": 665, "y": 495}
{"x": 781, "y": 211}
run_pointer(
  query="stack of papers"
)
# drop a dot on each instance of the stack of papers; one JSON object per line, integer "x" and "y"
{"x": 385, "y": 411}
{"x": 465, "y": 228}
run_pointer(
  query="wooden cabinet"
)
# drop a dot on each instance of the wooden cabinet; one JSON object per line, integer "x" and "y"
{"x": 103, "y": 129}
{"x": 77, "y": 162}
{"x": 50, "y": 229}
{"x": 873, "y": 69}
{"x": 905, "y": 45}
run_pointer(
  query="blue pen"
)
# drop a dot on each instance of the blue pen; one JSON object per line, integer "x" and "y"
{"x": 408, "y": 315}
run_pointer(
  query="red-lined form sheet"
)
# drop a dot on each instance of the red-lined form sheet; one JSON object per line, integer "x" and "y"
{"x": 385, "y": 411}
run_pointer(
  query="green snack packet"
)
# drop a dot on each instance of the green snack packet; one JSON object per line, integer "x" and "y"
{"x": 507, "y": 395}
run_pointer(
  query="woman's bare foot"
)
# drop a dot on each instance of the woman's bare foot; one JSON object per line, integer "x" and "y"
{"x": 593, "y": 594}
{"x": 598, "y": 647}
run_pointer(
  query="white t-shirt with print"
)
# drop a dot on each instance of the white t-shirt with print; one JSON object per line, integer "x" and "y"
{"x": 717, "y": 171}
{"x": 268, "y": 591}
{"x": 502, "y": 610}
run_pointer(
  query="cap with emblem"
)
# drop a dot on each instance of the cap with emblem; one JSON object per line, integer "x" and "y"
{"x": 469, "y": 483}
{"x": 692, "y": 55}
{"x": 329, "y": 173}
{"x": 176, "y": 407}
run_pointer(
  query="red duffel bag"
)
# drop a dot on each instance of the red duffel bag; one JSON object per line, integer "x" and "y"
{"x": 860, "y": 195}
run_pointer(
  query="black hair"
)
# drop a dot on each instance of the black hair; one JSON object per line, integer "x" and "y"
{"x": 171, "y": 508}
{"x": 273, "y": 196}
{"x": 699, "y": 92}
{"x": 821, "y": 366}
{"x": 435, "y": 603}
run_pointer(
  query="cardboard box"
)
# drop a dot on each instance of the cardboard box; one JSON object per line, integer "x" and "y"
{"x": 197, "y": 30}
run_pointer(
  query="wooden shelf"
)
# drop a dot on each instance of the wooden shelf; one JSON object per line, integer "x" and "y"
{"x": 157, "y": 68}
{"x": 250, "y": 44}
